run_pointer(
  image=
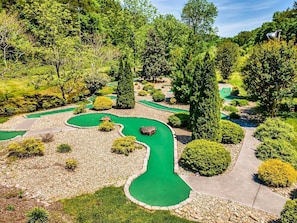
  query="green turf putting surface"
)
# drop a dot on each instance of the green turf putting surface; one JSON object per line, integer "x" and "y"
{"x": 225, "y": 93}
{"x": 6, "y": 135}
{"x": 159, "y": 185}
{"x": 161, "y": 107}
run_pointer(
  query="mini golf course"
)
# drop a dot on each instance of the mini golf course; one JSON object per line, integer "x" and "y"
{"x": 159, "y": 185}
{"x": 6, "y": 135}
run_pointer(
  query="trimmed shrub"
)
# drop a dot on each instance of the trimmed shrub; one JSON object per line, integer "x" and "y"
{"x": 71, "y": 164}
{"x": 27, "y": 148}
{"x": 124, "y": 145}
{"x": 37, "y": 215}
{"x": 80, "y": 109}
{"x": 153, "y": 91}
{"x": 64, "y": 148}
{"x": 230, "y": 109}
{"x": 234, "y": 115}
{"x": 48, "y": 137}
{"x": 274, "y": 129}
{"x": 172, "y": 101}
{"x": 106, "y": 126}
{"x": 142, "y": 93}
{"x": 174, "y": 121}
{"x": 180, "y": 119}
{"x": 148, "y": 86}
{"x": 144, "y": 82}
{"x": 289, "y": 212}
{"x": 240, "y": 102}
{"x": 231, "y": 133}
{"x": 276, "y": 173}
{"x": 235, "y": 91}
{"x": 277, "y": 149}
{"x": 158, "y": 96}
{"x": 107, "y": 90}
{"x": 205, "y": 157}
{"x": 102, "y": 103}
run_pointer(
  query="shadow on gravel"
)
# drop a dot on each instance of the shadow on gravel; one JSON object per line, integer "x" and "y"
{"x": 293, "y": 194}
{"x": 183, "y": 139}
{"x": 274, "y": 221}
{"x": 257, "y": 180}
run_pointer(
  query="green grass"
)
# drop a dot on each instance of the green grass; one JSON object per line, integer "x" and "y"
{"x": 3, "y": 119}
{"x": 236, "y": 81}
{"x": 110, "y": 205}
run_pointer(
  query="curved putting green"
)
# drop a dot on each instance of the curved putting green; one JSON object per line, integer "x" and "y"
{"x": 159, "y": 185}
{"x": 6, "y": 135}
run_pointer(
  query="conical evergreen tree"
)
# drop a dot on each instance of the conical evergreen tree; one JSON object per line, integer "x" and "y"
{"x": 205, "y": 102}
{"x": 125, "y": 90}
{"x": 154, "y": 57}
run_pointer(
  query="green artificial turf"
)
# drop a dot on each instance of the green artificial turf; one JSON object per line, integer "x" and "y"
{"x": 159, "y": 185}
{"x": 110, "y": 205}
{"x": 5, "y": 135}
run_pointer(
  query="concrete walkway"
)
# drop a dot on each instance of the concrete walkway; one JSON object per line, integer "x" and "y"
{"x": 240, "y": 185}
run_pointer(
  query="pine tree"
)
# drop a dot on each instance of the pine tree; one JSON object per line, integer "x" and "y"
{"x": 154, "y": 58}
{"x": 205, "y": 102}
{"x": 125, "y": 89}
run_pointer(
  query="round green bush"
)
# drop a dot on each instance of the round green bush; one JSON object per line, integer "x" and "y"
{"x": 276, "y": 173}
{"x": 80, "y": 109}
{"x": 172, "y": 101}
{"x": 205, "y": 157}
{"x": 64, "y": 148}
{"x": 142, "y": 93}
{"x": 289, "y": 212}
{"x": 174, "y": 121}
{"x": 106, "y": 126}
{"x": 124, "y": 145}
{"x": 102, "y": 103}
{"x": 37, "y": 215}
{"x": 158, "y": 96}
{"x": 231, "y": 133}
{"x": 274, "y": 128}
{"x": 277, "y": 149}
{"x": 148, "y": 86}
{"x": 71, "y": 164}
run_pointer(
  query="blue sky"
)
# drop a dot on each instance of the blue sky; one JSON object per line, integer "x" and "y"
{"x": 234, "y": 16}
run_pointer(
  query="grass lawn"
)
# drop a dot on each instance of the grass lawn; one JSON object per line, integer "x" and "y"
{"x": 110, "y": 205}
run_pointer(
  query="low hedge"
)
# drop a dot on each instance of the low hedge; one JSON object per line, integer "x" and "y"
{"x": 63, "y": 148}
{"x": 180, "y": 119}
{"x": 205, "y": 157}
{"x": 274, "y": 128}
{"x": 276, "y": 173}
{"x": 277, "y": 149}
{"x": 102, "y": 103}
{"x": 231, "y": 133}
{"x": 239, "y": 102}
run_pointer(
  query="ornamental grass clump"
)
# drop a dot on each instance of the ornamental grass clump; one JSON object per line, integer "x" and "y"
{"x": 27, "y": 148}
{"x": 102, "y": 103}
{"x": 205, "y": 157}
{"x": 106, "y": 126}
{"x": 64, "y": 148}
{"x": 276, "y": 173}
{"x": 277, "y": 149}
{"x": 274, "y": 128}
{"x": 231, "y": 133}
{"x": 37, "y": 215}
{"x": 124, "y": 145}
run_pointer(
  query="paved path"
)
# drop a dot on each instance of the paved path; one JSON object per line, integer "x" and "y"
{"x": 240, "y": 184}
{"x": 26, "y": 124}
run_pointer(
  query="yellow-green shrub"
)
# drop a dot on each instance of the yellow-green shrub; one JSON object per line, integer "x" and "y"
{"x": 26, "y": 148}
{"x": 124, "y": 145}
{"x": 71, "y": 164}
{"x": 142, "y": 93}
{"x": 106, "y": 126}
{"x": 275, "y": 173}
{"x": 102, "y": 103}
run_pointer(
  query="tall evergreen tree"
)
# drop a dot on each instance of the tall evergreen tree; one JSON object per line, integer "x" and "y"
{"x": 125, "y": 90}
{"x": 154, "y": 57}
{"x": 205, "y": 102}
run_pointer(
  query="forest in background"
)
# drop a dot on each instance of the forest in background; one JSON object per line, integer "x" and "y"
{"x": 52, "y": 51}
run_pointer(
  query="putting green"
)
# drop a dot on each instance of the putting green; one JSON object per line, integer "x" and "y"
{"x": 6, "y": 135}
{"x": 159, "y": 185}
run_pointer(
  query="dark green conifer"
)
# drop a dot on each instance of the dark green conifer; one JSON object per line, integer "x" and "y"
{"x": 125, "y": 89}
{"x": 205, "y": 102}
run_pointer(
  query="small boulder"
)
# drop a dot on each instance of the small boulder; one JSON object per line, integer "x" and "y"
{"x": 148, "y": 130}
